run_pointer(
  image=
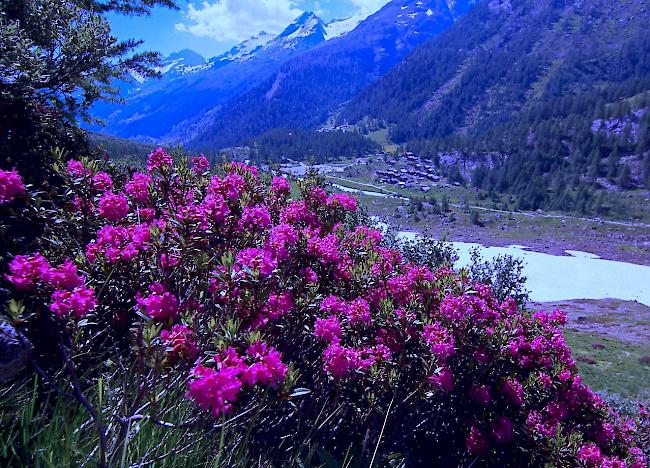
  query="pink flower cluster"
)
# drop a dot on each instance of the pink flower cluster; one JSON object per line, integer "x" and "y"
{"x": 25, "y": 271}
{"x": 76, "y": 169}
{"x": 113, "y": 206}
{"x": 70, "y": 295}
{"x": 200, "y": 164}
{"x": 348, "y": 312}
{"x": 160, "y": 304}
{"x": 255, "y": 218}
{"x": 341, "y": 361}
{"x": 280, "y": 186}
{"x": 118, "y": 243}
{"x": 257, "y": 260}
{"x": 179, "y": 343}
{"x": 102, "y": 182}
{"x": 217, "y": 389}
{"x": 11, "y": 186}
{"x": 159, "y": 160}
{"x": 344, "y": 201}
{"x": 77, "y": 302}
{"x": 138, "y": 187}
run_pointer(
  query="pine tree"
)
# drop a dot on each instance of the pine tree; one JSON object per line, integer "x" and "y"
{"x": 58, "y": 58}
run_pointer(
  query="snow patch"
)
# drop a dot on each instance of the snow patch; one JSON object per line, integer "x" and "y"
{"x": 581, "y": 275}
{"x": 338, "y": 28}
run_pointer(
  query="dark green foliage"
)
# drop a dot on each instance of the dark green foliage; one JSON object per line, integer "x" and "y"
{"x": 305, "y": 145}
{"x": 121, "y": 150}
{"x": 529, "y": 79}
{"x": 57, "y": 59}
{"x": 429, "y": 251}
{"x": 504, "y": 273}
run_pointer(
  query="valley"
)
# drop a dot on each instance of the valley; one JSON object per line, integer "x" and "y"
{"x": 446, "y": 211}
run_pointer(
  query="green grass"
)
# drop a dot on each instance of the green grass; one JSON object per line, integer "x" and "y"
{"x": 615, "y": 368}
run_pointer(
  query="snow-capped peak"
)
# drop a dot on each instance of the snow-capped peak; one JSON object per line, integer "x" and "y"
{"x": 303, "y": 26}
{"x": 181, "y": 62}
{"x": 340, "y": 27}
{"x": 246, "y": 47}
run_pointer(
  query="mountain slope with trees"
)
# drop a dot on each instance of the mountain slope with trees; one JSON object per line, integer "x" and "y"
{"x": 312, "y": 86}
{"x": 561, "y": 86}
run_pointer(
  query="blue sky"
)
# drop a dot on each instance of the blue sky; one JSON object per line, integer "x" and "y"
{"x": 210, "y": 27}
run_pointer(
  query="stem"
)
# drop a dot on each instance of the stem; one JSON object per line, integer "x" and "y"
{"x": 78, "y": 393}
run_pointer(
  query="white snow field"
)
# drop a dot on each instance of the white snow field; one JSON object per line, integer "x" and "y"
{"x": 579, "y": 275}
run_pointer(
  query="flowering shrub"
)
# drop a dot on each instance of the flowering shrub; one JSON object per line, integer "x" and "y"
{"x": 220, "y": 283}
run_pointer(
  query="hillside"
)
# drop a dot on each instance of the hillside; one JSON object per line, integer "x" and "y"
{"x": 561, "y": 86}
{"x": 306, "y": 90}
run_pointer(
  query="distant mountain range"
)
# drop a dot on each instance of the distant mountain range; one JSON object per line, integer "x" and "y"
{"x": 191, "y": 85}
{"x": 297, "y": 78}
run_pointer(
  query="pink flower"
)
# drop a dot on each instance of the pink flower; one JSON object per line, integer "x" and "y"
{"x": 268, "y": 368}
{"x": 358, "y": 311}
{"x": 476, "y": 442}
{"x": 333, "y": 304}
{"x": 231, "y": 186}
{"x": 328, "y": 329}
{"x": 76, "y": 169}
{"x": 179, "y": 343}
{"x": 439, "y": 340}
{"x": 443, "y": 380}
{"x": 160, "y": 304}
{"x": 113, "y": 206}
{"x": 340, "y": 361}
{"x": 117, "y": 243}
{"x": 502, "y": 430}
{"x": 258, "y": 260}
{"x": 11, "y": 186}
{"x": 309, "y": 276}
{"x": 281, "y": 237}
{"x": 200, "y": 164}
{"x": 590, "y": 455}
{"x": 326, "y": 248}
{"x": 159, "y": 159}
{"x": 638, "y": 458}
{"x": 346, "y": 202}
{"x": 216, "y": 207}
{"x": 138, "y": 187}
{"x": 513, "y": 391}
{"x": 279, "y": 305}
{"x": 102, "y": 182}
{"x": 255, "y": 218}
{"x": 77, "y": 302}
{"x": 214, "y": 390}
{"x": 65, "y": 276}
{"x": 280, "y": 185}
{"x": 297, "y": 212}
{"x": 25, "y": 271}
{"x": 317, "y": 196}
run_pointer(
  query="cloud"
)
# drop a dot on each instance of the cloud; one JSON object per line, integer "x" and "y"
{"x": 180, "y": 27}
{"x": 367, "y": 7}
{"x": 236, "y": 20}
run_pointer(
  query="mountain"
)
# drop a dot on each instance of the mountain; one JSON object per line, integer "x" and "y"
{"x": 309, "y": 88}
{"x": 191, "y": 85}
{"x": 561, "y": 86}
